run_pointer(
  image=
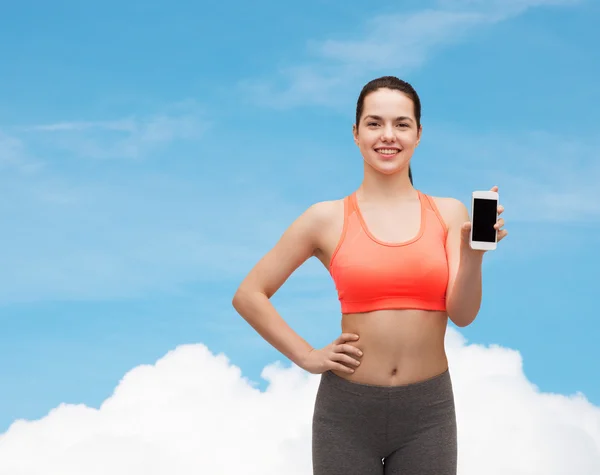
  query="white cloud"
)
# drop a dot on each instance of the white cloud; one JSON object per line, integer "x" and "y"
{"x": 123, "y": 125}
{"x": 127, "y": 137}
{"x": 503, "y": 8}
{"x": 399, "y": 41}
{"x": 193, "y": 412}
{"x": 388, "y": 42}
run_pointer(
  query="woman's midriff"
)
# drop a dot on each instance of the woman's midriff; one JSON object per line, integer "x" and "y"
{"x": 399, "y": 346}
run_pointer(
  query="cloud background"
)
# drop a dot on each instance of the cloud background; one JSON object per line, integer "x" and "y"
{"x": 149, "y": 156}
{"x": 194, "y": 412}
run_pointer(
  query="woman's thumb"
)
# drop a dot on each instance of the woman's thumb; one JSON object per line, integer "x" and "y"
{"x": 466, "y": 229}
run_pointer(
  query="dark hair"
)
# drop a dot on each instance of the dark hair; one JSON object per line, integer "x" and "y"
{"x": 390, "y": 82}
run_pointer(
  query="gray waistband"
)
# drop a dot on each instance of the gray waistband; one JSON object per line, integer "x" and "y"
{"x": 433, "y": 384}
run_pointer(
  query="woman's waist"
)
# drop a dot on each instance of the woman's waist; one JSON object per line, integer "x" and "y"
{"x": 396, "y": 371}
{"x": 399, "y": 346}
{"x": 397, "y": 333}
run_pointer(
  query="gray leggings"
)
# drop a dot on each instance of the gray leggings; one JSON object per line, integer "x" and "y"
{"x": 363, "y": 429}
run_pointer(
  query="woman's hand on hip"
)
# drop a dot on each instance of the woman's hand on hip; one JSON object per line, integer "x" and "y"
{"x": 338, "y": 355}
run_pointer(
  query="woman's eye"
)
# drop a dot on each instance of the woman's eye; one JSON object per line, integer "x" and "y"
{"x": 375, "y": 123}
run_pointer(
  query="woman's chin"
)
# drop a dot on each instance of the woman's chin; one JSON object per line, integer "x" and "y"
{"x": 387, "y": 167}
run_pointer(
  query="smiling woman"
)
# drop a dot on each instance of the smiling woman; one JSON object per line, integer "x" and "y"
{"x": 403, "y": 121}
{"x": 402, "y": 265}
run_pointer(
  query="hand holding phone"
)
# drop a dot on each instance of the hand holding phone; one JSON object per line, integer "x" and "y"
{"x": 484, "y": 215}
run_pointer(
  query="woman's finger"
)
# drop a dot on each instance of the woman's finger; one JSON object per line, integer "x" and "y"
{"x": 335, "y": 356}
{"x": 346, "y": 348}
{"x": 344, "y": 337}
{"x": 343, "y": 358}
{"x": 334, "y": 364}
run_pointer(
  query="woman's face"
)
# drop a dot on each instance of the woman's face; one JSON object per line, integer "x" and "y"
{"x": 387, "y": 133}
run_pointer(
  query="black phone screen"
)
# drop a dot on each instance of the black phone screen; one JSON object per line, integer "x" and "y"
{"x": 484, "y": 218}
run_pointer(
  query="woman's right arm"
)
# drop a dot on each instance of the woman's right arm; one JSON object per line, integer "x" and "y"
{"x": 252, "y": 299}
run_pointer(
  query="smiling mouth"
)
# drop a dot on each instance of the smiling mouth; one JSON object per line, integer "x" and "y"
{"x": 389, "y": 152}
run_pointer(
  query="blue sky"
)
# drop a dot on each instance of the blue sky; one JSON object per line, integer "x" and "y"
{"x": 151, "y": 152}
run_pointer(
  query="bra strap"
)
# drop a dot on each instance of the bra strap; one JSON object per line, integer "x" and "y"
{"x": 435, "y": 209}
{"x": 347, "y": 212}
{"x": 349, "y": 205}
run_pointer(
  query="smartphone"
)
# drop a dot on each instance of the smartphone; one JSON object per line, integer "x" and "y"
{"x": 484, "y": 214}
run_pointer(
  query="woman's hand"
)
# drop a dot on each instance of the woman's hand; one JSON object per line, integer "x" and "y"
{"x": 466, "y": 233}
{"x": 335, "y": 356}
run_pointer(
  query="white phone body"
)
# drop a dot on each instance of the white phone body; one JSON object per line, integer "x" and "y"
{"x": 484, "y": 214}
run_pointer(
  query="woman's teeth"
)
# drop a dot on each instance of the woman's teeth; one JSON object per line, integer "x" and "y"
{"x": 388, "y": 151}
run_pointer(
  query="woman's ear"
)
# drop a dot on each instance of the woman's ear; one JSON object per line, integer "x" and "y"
{"x": 355, "y": 133}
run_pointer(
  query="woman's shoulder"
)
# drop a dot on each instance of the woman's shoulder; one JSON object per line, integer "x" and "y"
{"x": 323, "y": 212}
{"x": 451, "y": 209}
{"x": 324, "y": 219}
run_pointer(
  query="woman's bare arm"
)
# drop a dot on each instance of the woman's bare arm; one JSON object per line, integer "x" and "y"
{"x": 463, "y": 295}
{"x": 252, "y": 299}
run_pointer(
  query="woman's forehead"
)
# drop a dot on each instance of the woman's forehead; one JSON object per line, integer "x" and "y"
{"x": 388, "y": 104}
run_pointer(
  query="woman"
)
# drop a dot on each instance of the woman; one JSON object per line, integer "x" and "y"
{"x": 402, "y": 265}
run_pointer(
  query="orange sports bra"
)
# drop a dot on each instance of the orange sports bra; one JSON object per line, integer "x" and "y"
{"x": 370, "y": 274}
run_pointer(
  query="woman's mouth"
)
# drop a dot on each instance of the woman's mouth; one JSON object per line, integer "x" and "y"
{"x": 387, "y": 152}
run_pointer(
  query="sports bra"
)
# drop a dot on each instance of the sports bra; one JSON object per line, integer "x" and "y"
{"x": 370, "y": 274}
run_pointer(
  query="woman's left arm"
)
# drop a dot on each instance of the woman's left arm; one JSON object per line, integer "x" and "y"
{"x": 463, "y": 294}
